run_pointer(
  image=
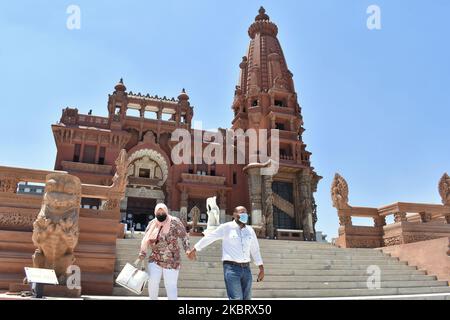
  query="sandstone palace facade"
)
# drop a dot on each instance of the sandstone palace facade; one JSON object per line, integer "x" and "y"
{"x": 265, "y": 98}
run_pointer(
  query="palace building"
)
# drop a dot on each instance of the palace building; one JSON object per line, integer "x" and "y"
{"x": 142, "y": 124}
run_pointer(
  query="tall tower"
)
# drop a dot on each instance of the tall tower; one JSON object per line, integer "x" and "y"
{"x": 265, "y": 98}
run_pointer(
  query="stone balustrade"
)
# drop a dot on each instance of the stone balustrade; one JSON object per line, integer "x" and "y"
{"x": 95, "y": 252}
{"x": 412, "y": 222}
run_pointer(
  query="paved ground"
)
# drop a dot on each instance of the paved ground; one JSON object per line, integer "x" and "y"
{"x": 435, "y": 296}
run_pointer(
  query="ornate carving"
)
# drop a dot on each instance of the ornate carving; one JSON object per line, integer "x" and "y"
{"x": 362, "y": 243}
{"x": 425, "y": 217}
{"x": 339, "y": 192}
{"x": 55, "y": 232}
{"x": 154, "y": 156}
{"x": 281, "y": 83}
{"x": 16, "y": 220}
{"x": 149, "y": 137}
{"x": 8, "y": 185}
{"x": 400, "y": 217}
{"x": 306, "y": 185}
{"x": 111, "y": 204}
{"x": 379, "y": 222}
{"x": 410, "y": 238}
{"x": 444, "y": 189}
{"x": 307, "y": 209}
{"x": 392, "y": 241}
{"x": 119, "y": 182}
{"x": 345, "y": 221}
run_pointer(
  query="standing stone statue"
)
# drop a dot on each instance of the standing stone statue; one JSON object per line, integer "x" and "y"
{"x": 55, "y": 231}
{"x": 444, "y": 189}
{"x": 213, "y": 214}
{"x": 195, "y": 215}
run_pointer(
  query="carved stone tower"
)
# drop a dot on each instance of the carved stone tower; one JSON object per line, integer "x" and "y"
{"x": 265, "y": 98}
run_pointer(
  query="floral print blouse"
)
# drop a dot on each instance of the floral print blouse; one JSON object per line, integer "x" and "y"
{"x": 166, "y": 253}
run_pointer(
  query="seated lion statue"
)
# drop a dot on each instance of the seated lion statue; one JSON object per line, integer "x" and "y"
{"x": 55, "y": 231}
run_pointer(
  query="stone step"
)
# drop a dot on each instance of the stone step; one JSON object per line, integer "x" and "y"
{"x": 271, "y": 259}
{"x": 273, "y": 274}
{"x": 194, "y": 240}
{"x": 323, "y": 278}
{"x": 120, "y": 249}
{"x": 295, "y": 293}
{"x": 290, "y": 263}
{"x": 206, "y": 266}
{"x": 294, "y": 270}
{"x": 270, "y": 247}
{"x": 135, "y": 243}
{"x": 277, "y": 254}
{"x": 220, "y": 284}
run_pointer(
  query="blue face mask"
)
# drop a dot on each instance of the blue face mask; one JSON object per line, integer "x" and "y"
{"x": 243, "y": 217}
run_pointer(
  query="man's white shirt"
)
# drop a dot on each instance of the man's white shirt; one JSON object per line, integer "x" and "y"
{"x": 238, "y": 244}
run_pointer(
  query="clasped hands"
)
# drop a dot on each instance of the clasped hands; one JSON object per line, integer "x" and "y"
{"x": 192, "y": 254}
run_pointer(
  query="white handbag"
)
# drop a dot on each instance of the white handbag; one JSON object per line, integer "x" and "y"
{"x": 132, "y": 278}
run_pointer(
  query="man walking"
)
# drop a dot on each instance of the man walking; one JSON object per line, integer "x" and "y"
{"x": 239, "y": 242}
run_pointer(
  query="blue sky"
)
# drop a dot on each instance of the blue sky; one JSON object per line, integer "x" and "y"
{"x": 375, "y": 103}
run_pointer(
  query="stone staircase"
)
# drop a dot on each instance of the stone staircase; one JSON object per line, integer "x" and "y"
{"x": 295, "y": 270}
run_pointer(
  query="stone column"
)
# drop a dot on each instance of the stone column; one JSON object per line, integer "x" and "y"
{"x": 184, "y": 206}
{"x": 306, "y": 205}
{"x": 223, "y": 206}
{"x": 268, "y": 227}
{"x": 123, "y": 207}
{"x": 345, "y": 221}
{"x": 254, "y": 183}
{"x": 379, "y": 222}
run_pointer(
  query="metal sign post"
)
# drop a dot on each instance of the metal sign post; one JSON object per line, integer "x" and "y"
{"x": 39, "y": 277}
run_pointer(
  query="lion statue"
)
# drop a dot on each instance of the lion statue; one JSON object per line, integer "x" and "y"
{"x": 55, "y": 231}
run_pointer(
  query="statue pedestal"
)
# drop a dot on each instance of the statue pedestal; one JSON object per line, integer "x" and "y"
{"x": 49, "y": 290}
{"x": 195, "y": 232}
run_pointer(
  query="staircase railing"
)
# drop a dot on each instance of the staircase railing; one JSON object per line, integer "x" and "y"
{"x": 413, "y": 222}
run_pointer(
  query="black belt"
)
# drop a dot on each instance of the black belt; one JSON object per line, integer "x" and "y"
{"x": 243, "y": 265}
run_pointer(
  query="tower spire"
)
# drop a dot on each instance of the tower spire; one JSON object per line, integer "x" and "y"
{"x": 262, "y": 16}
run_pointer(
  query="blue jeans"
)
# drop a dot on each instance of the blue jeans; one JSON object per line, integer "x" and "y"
{"x": 238, "y": 281}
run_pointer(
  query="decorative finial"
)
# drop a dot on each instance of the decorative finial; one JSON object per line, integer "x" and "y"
{"x": 262, "y": 15}
{"x": 183, "y": 95}
{"x": 120, "y": 86}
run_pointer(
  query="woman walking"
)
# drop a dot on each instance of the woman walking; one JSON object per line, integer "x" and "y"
{"x": 162, "y": 237}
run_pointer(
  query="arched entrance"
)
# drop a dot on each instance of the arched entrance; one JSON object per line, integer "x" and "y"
{"x": 147, "y": 174}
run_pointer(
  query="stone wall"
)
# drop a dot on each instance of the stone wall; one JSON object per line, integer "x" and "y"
{"x": 431, "y": 255}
